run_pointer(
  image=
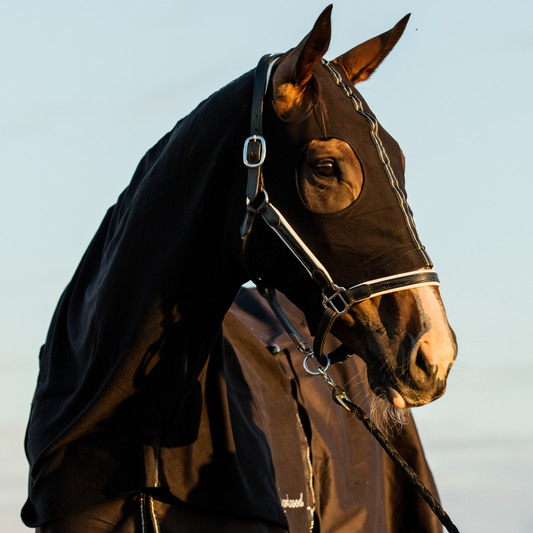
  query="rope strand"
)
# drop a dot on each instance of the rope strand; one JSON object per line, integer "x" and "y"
{"x": 340, "y": 397}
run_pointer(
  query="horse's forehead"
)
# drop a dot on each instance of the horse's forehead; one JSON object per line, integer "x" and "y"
{"x": 367, "y": 244}
{"x": 338, "y": 112}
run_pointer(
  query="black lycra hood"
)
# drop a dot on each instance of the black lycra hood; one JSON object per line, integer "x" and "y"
{"x": 373, "y": 237}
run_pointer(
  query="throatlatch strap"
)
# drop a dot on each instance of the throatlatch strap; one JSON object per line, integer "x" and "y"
{"x": 254, "y": 153}
{"x": 255, "y": 149}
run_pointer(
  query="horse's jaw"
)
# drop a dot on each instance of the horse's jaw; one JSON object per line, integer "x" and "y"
{"x": 406, "y": 342}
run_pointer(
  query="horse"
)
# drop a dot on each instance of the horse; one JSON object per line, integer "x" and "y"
{"x": 139, "y": 403}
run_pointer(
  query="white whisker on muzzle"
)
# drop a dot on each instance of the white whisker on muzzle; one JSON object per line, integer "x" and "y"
{"x": 387, "y": 417}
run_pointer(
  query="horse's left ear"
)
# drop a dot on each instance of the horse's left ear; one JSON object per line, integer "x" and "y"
{"x": 360, "y": 62}
{"x": 293, "y": 74}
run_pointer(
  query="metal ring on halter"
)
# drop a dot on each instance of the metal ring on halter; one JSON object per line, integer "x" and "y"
{"x": 310, "y": 371}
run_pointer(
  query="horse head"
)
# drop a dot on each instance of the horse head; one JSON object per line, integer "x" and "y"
{"x": 337, "y": 178}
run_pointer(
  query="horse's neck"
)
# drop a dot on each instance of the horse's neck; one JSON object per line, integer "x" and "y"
{"x": 164, "y": 263}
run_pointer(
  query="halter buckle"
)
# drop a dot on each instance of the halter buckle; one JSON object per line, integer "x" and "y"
{"x": 255, "y": 151}
{"x": 327, "y": 301}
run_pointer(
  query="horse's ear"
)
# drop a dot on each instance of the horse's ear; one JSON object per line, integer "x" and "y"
{"x": 360, "y": 62}
{"x": 292, "y": 75}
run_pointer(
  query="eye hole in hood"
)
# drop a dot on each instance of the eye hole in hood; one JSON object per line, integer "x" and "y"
{"x": 329, "y": 176}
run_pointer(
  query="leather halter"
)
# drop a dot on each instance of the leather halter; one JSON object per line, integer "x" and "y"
{"x": 335, "y": 299}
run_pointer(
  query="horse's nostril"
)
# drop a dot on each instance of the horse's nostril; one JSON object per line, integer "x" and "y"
{"x": 423, "y": 363}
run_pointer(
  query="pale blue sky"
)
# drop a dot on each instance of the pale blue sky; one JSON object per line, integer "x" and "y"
{"x": 88, "y": 87}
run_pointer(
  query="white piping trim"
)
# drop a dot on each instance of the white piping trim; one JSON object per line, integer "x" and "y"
{"x": 397, "y": 289}
{"x": 269, "y": 72}
{"x": 374, "y": 127}
{"x": 295, "y": 236}
{"x": 396, "y": 276}
{"x": 153, "y": 516}
{"x": 407, "y": 287}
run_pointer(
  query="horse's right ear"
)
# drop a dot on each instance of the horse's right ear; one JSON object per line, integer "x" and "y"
{"x": 292, "y": 75}
{"x": 360, "y": 62}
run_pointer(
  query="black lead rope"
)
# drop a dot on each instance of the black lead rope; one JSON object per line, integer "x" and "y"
{"x": 340, "y": 397}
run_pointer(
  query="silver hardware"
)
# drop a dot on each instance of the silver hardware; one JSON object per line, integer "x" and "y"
{"x": 265, "y": 197}
{"x": 305, "y": 350}
{"x": 340, "y": 396}
{"x": 254, "y": 138}
{"x": 308, "y": 370}
{"x": 328, "y": 301}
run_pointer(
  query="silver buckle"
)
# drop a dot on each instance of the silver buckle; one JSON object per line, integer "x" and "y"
{"x": 328, "y": 301}
{"x": 262, "y": 142}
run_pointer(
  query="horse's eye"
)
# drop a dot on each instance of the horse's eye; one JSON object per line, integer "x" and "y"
{"x": 325, "y": 168}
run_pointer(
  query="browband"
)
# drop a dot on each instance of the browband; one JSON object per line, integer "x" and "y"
{"x": 335, "y": 299}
